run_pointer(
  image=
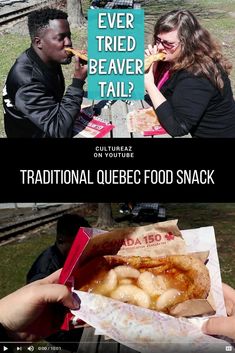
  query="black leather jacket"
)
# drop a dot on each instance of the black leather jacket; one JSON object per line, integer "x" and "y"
{"x": 34, "y": 101}
{"x": 49, "y": 261}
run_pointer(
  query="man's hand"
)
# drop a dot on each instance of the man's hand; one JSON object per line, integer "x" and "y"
{"x": 224, "y": 326}
{"x": 37, "y": 309}
{"x": 80, "y": 70}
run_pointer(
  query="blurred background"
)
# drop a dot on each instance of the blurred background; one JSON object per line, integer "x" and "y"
{"x": 218, "y": 16}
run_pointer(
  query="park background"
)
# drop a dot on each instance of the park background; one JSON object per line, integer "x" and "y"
{"x": 17, "y": 256}
{"x": 218, "y": 16}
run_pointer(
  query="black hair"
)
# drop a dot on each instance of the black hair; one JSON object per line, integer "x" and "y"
{"x": 69, "y": 224}
{"x": 39, "y": 19}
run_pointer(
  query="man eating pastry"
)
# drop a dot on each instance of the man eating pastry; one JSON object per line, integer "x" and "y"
{"x": 35, "y": 102}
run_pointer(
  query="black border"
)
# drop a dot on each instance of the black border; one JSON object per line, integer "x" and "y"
{"x": 153, "y": 154}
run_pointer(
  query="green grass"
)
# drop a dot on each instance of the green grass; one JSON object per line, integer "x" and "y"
{"x": 17, "y": 258}
{"x": 221, "y": 5}
{"x": 11, "y": 47}
{"x": 217, "y": 16}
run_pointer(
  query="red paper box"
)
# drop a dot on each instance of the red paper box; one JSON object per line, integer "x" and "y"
{"x": 110, "y": 243}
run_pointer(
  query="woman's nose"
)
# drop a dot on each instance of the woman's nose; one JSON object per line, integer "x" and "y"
{"x": 160, "y": 46}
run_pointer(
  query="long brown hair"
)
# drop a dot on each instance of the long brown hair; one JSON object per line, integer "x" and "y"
{"x": 200, "y": 53}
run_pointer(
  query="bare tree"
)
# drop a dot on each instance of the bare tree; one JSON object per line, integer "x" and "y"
{"x": 105, "y": 216}
{"x": 75, "y": 13}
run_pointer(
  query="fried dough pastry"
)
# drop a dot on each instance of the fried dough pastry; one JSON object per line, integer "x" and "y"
{"x": 148, "y": 60}
{"x": 154, "y": 283}
{"x": 82, "y": 54}
{"x": 185, "y": 266}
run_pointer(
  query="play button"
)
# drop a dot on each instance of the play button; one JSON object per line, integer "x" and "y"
{"x": 5, "y": 348}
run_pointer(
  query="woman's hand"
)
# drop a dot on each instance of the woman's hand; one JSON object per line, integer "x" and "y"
{"x": 155, "y": 95}
{"x": 149, "y": 75}
{"x": 150, "y": 50}
{"x": 37, "y": 309}
{"x": 224, "y": 326}
{"x": 149, "y": 78}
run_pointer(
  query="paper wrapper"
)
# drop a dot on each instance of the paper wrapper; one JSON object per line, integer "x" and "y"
{"x": 142, "y": 329}
{"x": 89, "y": 242}
{"x": 152, "y": 240}
{"x": 141, "y": 120}
{"x": 144, "y": 121}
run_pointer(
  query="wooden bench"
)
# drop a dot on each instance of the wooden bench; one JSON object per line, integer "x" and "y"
{"x": 117, "y": 4}
{"x": 91, "y": 343}
{"x": 115, "y": 112}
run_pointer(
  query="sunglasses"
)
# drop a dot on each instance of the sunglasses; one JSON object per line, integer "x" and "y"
{"x": 166, "y": 44}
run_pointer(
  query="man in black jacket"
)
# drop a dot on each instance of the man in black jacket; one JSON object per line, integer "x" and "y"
{"x": 53, "y": 258}
{"x": 34, "y": 101}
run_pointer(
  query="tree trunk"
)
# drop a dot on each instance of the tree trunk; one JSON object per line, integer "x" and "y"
{"x": 75, "y": 14}
{"x": 105, "y": 216}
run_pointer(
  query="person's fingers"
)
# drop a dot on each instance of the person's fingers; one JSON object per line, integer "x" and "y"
{"x": 85, "y": 67}
{"x": 150, "y": 48}
{"x": 220, "y": 326}
{"x": 56, "y": 293}
{"x": 228, "y": 291}
{"x": 229, "y": 299}
{"x": 77, "y": 63}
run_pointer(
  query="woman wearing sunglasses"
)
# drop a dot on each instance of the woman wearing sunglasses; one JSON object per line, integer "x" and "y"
{"x": 190, "y": 90}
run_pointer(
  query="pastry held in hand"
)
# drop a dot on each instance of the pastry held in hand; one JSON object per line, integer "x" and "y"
{"x": 148, "y": 60}
{"x": 81, "y": 54}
